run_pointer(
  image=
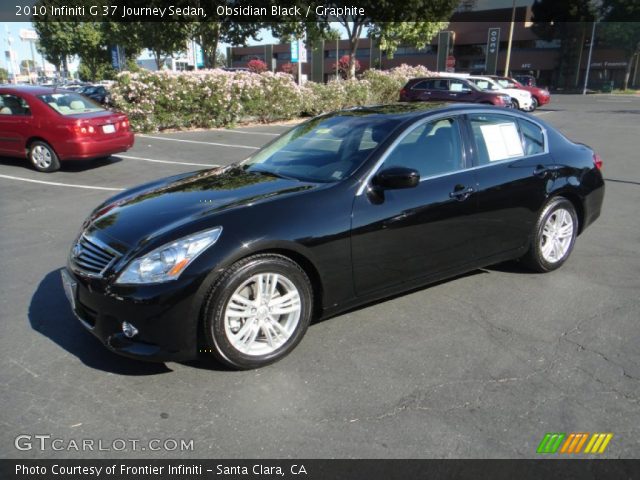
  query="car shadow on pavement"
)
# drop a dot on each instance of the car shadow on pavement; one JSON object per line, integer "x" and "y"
{"x": 51, "y": 315}
{"x": 70, "y": 166}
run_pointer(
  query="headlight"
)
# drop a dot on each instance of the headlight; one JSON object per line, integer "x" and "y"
{"x": 168, "y": 261}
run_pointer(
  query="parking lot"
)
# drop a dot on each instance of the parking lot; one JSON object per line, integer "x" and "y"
{"x": 479, "y": 366}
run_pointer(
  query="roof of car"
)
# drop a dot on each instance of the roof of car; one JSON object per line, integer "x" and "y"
{"x": 406, "y": 111}
{"x": 30, "y": 89}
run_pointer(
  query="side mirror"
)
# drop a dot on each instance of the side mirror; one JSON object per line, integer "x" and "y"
{"x": 396, "y": 177}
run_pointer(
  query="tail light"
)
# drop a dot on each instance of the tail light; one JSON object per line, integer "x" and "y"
{"x": 597, "y": 161}
{"x": 125, "y": 124}
{"x": 83, "y": 129}
{"x": 403, "y": 92}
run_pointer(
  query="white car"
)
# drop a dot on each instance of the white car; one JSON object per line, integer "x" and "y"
{"x": 521, "y": 99}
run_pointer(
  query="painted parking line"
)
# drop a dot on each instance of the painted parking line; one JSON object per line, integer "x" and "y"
{"x": 128, "y": 157}
{"x": 251, "y": 133}
{"x": 59, "y": 184}
{"x": 199, "y": 141}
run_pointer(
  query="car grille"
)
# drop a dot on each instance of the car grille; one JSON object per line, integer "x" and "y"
{"x": 92, "y": 257}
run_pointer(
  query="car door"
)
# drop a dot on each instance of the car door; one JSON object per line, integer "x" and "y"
{"x": 15, "y": 119}
{"x": 460, "y": 91}
{"x": 514, "y": 173}
{"x": 405, "y": 234}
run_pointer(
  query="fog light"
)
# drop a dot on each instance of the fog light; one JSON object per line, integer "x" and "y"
{"x": 129, "y": 330}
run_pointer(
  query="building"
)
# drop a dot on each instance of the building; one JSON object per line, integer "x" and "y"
{"x": 530, "y": 54}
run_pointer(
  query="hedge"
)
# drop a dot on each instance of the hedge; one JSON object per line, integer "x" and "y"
{"x": 217, "y": 98}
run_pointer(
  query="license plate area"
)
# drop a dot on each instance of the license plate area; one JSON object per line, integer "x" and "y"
{"x": 70, "y": 287}
{"x": 109, "y": 128}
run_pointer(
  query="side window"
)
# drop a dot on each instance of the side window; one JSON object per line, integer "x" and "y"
{"x": 424, "y": 85}
{"x": 431, "y": 148}
{"x": 497, "y": 138}
{"x": 532, "y": 138}
{"x": 13, "y": 105}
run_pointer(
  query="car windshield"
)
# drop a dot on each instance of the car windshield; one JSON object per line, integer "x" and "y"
{"x": 69, "y": 103}
{"x": 88, "y": 90}
{"x": 325, "y": 149}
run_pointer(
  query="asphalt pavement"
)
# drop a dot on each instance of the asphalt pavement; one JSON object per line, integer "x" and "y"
{"x": 481, "y": 366}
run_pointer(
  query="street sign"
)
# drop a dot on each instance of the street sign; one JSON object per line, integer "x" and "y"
{"x": 26, "y": 34}
{"x": 117, "y": 57}
{"x": 493, "y": 48}
{"x": 445, "y": 45}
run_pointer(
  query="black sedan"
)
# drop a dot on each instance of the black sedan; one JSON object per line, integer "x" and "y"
{"x": 341, "y": 210}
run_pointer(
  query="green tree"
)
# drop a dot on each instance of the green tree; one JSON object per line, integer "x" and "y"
{"x": 619, "y": 30}
{"x": 566, "y": 21}
{"x": 4, "y": 75}
{"x": 421, "y": 21}
{"x": 162, "y": 39}
{"x": 210, "y": 34}
{"x": 27, "y": 66}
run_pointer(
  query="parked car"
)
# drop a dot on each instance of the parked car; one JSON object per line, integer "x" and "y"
{"x": 452, "y": 89}
{"x": 541, "y": 96}
{"x": 526, "y": 80}
{"x": 48, "y": 126}
{"x": 343, "y": 209}
{"x": 97, "y": 93}
{"x": 521, "y": 99}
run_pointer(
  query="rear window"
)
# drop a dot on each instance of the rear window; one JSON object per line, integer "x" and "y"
{"x": 69, "y": 103}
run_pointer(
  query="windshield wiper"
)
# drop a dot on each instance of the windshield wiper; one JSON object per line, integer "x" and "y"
{"x": 271, "y": 173}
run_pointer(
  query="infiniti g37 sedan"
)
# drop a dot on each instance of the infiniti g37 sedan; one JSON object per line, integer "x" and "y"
{"x": 341, "y": 210}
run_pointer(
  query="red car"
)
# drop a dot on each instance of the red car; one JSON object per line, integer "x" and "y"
{"x": 541, "y": 96}
{"x": 48, "y": 125}
{"x": 450, "y": 89}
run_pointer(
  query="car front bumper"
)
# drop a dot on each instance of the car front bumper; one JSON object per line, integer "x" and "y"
{"x": 166, "y": 324}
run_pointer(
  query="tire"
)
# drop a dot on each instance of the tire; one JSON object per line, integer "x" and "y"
{"x": 546, "y": 254}
{"x": 515, "y": 103}
{"x": 42, "y": 157}
{"x": 240, "y": 321}
{"x": 535, "y": 104}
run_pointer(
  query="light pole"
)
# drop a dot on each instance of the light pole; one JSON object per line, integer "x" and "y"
{"x": 513, "y": 17}
{"x": 586, "y": 77}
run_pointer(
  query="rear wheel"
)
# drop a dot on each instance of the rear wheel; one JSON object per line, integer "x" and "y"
{"x": 554, "y": 236}
{"x": 258, "y": 311}
{"x": 42, "y": 157}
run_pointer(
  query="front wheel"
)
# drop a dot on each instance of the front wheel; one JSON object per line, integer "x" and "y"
{"x": 515, "y": 103}
{"x": 258, "y": 311}
{"x": 554, "y": 236}
{"x": 42, "y": 157}
{"x": 535, "y": 104}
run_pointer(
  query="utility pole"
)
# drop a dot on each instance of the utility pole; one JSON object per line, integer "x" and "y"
{"x": 513, "y": 18}
{"x": 586, "y": 77}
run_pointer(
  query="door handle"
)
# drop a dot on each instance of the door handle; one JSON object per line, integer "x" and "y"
{"x": 461, "y": 193}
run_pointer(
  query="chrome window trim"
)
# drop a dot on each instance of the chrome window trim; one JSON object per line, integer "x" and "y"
{"x": 410, "y": 128}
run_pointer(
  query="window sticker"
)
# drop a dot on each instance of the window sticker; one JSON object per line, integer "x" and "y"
{"x": 502, "y": 141}
{"x": 456, "y": 87}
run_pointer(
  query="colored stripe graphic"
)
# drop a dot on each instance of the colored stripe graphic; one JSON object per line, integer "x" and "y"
{"x": 550, "y": 442}
{"x": 598, "y": 443}
{"x": 574, "y": 443}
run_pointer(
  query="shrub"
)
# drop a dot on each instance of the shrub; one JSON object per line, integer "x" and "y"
{"x": 257, "y": 66}
{"x": 217, "y": 98}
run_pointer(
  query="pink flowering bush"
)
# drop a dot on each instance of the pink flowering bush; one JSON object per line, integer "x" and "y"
{"x": 257, "y": 66}
{"x": 217, "y": 98}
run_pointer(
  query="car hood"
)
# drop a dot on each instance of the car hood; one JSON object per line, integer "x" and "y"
{"x": 143, "y": 213}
